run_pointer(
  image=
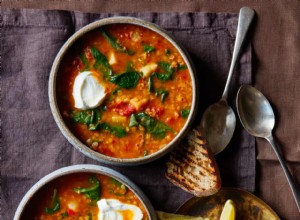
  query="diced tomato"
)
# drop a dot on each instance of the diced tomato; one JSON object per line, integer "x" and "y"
{"x": 158, "y": 110}
{"x": 124, "y": 109}
{"x": 170, "y": 120}
{"x": 70, "y": 212}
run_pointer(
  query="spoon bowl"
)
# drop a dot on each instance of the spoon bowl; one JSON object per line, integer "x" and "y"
{"x": 221, "y": 121}
{"x": 255, "y": 112}
{"x": 257, "y": 117}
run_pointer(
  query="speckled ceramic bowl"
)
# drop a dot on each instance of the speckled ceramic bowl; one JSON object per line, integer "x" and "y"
{"x": 84, "y": 168}
{"x": 72, "y": 138}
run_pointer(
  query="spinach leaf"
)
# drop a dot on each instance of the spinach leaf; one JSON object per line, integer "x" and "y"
{"x": 101, "y": 63}
{"x": 64, "y": 215}
{"x": 185, "y": 113}
{"x": 148, "y": 48}
{"x": 150, "y": 83}
{"x": 166, "y": 67}
{"x": 167, "y": 73}
{"x": 117, "y": 131}
{"x": 89, "y": 117}
{"x": 155, "y": 127}
{"x": 92, "y": 118}
{"x": 133, "y": 122}
{"x": 127, "y": 80}
{"x": 163, "y": 94}
{"x": 182, "y": 67}
{"x": 160, "y": 130}
{"x": 83, "y": 117}
{"x": 116, "y": 90}
{"x": 55, "y": 204}
{"x": 115, "y": 44}
{"x": 167, "y": 51}
{"x": 93, "y": 192}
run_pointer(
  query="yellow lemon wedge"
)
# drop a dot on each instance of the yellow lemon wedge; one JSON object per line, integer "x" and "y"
{"x": 228, "y": 212}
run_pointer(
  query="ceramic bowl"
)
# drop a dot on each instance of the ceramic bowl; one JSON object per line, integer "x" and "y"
{"x": 84, "y": 168}
{"x": 66, "y": 131}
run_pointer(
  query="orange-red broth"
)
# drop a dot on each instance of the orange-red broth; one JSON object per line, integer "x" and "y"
{"x": 77, "y": 206}
{"x": 172, "y": 111}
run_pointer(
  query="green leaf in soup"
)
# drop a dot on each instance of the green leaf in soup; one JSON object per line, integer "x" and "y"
{"x": 115, "y": 44}
{"x": 160, "y": 130}
{"x": 127, "y": 80}
{"x": 133, "y": 122}
{"x": 83, "y": 117}
{"x": 94, "y": 127}
{"x": 167, "y": 73}
{"x": 155, "y": 127}
{"x": 166, "y": 67}
{"x": 101, "y": 63}
{"x": 116, "y": 90}
{"x": 64, "y": 215}
{"x": 185, "y": 113}
{"x": 182, "y": 67}
{"x": 167, "y": 51}
{"x": 55, "y": 205}
{"x": 93, "y": 192}
{"x": 117, "y": 131}
{"x": 150, "y": 84}
{"x": 163, "y": 94}
{"x": 148, "y": 48}
{"x": 89, "y": 117}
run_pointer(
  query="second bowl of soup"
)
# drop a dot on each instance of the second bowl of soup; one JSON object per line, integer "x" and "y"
{"x": 122, "y": 91}
{"x": 85, "y": 192}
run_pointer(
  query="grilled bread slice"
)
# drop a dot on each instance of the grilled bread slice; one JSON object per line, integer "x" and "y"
{"x": 193, "y": 168}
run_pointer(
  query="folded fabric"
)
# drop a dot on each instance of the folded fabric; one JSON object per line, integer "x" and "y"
{"x": 31, "y": 143}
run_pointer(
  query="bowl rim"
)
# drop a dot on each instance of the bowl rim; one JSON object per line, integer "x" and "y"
{"x": 85, "y": 168}
{"x": 73, "y": 139}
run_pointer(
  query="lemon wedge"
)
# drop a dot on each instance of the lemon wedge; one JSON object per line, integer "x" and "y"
{"x": 228, "y": 212}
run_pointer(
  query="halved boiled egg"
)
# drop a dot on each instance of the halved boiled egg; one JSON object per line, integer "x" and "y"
{"x": 113, "y": 209}
{"x": 87, "y": 91}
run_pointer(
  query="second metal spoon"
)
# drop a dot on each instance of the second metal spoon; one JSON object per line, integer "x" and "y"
{"x": 218, "y": 121}
{"x": 257, "y": 117}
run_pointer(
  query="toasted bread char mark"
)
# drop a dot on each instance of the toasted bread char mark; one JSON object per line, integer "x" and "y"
{"x": 193, "y": 168}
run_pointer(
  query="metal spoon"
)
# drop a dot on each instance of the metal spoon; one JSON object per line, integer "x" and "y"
{"x": 257, "y": 117}
{"x": 218, "y": 121}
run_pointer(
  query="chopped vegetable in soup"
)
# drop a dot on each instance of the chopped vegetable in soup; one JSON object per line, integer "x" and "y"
{"x": 124, "y": 91}
{"x": 85, "y": 196}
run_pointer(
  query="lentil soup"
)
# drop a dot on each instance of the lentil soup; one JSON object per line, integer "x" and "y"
{"x": 147, "y": 90}
{"x": 77, "y": 196}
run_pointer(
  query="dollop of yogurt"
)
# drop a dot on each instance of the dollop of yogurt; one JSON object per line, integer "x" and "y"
{"x": 87, "y": 91}
{"x": 113, "y": 209}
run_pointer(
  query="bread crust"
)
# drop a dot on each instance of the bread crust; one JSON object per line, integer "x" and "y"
{"x": 193, "y": 168}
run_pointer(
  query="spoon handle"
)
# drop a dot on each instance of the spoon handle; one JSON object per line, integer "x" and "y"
{"x": 245, "y": 18}
{"x": 294, "y": 187}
